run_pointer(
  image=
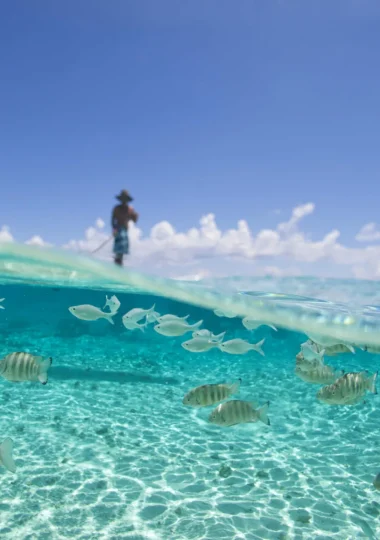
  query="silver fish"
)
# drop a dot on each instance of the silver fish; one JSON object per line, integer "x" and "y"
{"x": 324, "y": 341}
{"x": 113, "y": 303}
{"x": 238, "y": 412}
{"x": 210, "y": 394}
{"x": 170, "y": 317}
{"x": 223, "y": 313}
{"x": 175, "y": 328}
{"x": 136, "y": 314}
{"x": 199, "y": 344}
{"x": 152, "y": 317}
{"x": 310, "y": 352}
{"x": 132, "y": 325}
{"x": 252, "y": 324}
{"x": 6, "y": 458}
{"x": 240, "y": 346}
{"x": 87, "y": 312}
{"x": 372, "y": 349}
{"x": 22, "y": 366}
{"x": 306, "y": 365}
{"x": 208, "y": 334}
{"x": 2, "y": 300}
{"x": 348, "y": 389}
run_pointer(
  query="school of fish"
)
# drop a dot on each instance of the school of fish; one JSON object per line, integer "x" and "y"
{"x": 337, "y": 386}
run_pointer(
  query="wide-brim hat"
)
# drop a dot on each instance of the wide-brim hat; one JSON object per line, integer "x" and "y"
{"x": 124, "y": 196}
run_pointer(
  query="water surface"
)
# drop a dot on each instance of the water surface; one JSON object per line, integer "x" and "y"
{"x": 106, "y": 450}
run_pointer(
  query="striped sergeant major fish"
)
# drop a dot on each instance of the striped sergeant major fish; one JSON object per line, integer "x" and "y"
{"x": 349, "y": 389}
{"x": 210, "y": 394}
{"x": 322, "y": 374}
{"x": 237, "y": 411}
{"x": 22, "y": 366}
{"x": 333, "y": 350}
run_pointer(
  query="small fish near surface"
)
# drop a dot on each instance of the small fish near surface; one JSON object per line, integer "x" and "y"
{"x": 199, "y": 344}
{"x": 2, "y": 300}
{"x": 306, "y": 365}
{"x": 348, "y": 389}
{"x": 210, "y": 394}
{"x": 170, "y": 317}
{"x": 152, "y": 317}
{"x": 311, "y": 353}
{"x": 236, "y": 412}
{"x": 136, "y": 314}
{"x": 372, "y": 349}
{"x": 22, "y": 366}
{"x": 133, "y": 325}
{"x": 241, "y": 346}
{"x": 87, "y": 312}
{"x": 224, "y": 313}
{"x": 175, "y": 328}
{"x": 113, "y": 303}
{"x": 251, "y": 324}
{"x": 322, "y": 374}
{"x": 6, "y": 457}
{"x": 334, "y": 350}
{"x": 324, "y": 341}
{"x": 203, "y": 333}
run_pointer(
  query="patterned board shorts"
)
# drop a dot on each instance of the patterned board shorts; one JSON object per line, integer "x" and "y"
{"x": 121, "y": 242}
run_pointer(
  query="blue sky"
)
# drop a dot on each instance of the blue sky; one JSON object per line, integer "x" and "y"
{"x": 236, "y": 108}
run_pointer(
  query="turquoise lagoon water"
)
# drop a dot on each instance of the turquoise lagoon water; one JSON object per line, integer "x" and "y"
{"x": 106, "y": 450}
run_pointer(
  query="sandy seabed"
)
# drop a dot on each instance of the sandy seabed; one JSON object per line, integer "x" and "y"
{"x": 106, "y": 450}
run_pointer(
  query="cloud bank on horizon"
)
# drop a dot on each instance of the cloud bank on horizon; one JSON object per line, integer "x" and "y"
{"x": 207, "y": 251}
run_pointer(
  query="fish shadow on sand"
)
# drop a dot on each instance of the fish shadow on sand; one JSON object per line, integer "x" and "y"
{"x": 72, "y": 373}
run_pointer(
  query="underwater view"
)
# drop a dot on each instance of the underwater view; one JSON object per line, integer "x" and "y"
{"x": 142, "y": 408}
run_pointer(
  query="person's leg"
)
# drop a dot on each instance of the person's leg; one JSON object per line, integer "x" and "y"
{"x": 119, "y": 259}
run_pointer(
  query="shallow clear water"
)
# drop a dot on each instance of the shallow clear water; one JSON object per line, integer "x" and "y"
{"x": 106, "y": 450}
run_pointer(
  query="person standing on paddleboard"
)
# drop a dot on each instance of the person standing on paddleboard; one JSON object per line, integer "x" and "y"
{"x": 121, "y": 215}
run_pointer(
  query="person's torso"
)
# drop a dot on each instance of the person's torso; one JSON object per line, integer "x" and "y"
{"x": 122, "y": 216}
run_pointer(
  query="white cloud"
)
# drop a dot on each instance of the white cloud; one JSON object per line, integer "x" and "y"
{"x": 368, "y": 233}
{"x": 5, "y": 235}
{"x": 206, "y": 250}
{"x": 298, "y": 213}
{"x": 37, "y": 241}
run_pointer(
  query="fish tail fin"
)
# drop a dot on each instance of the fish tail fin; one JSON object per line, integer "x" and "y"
{"x": 109, "y": 316}
{"x": 44, "y": 367}
{"x": 321, "y": 354}
{"x": 263, "y": 414}
{"x": 186, "y": 317}
{"x": 350, "y": 348}
{"x": 197, "y": 324}
{"x": 151, "y": 309}
{"x": 6, "y": 458}
{"x": 143, "y": 326}
{"x": 372, "y": 383}
{"x": 257, "y": 347}
{"x": 219, "y": 337}
{"x": 235, "y": 387}
{"x": 107, "y": 302}
{"x": 273, "y": 327}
